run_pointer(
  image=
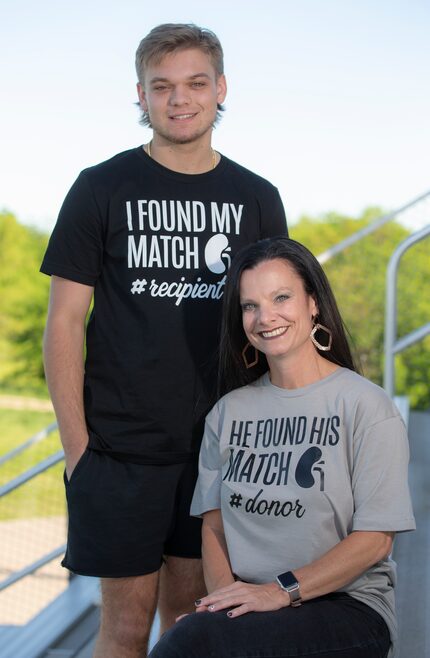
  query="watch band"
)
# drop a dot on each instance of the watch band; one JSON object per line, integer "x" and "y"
{"x": 289, "y": 583}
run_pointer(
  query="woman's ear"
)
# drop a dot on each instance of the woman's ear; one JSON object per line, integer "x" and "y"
{"x": 314, "y": 307}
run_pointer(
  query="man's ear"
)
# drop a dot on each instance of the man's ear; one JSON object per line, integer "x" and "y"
{"x": 221, "y": 89}
{"x": 142, "y": 97}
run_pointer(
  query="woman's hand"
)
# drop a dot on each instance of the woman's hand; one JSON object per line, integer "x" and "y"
{"x": 244, "y": 597}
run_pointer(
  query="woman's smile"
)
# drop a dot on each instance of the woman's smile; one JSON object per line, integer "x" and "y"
{"x": 273, "y": 333}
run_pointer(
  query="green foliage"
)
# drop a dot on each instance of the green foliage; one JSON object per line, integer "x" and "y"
{"x": 358, "y": 279}
{"x": 43, "y": 495}
{"x": 357, "y": 276}
{"x": 24, "y": 293}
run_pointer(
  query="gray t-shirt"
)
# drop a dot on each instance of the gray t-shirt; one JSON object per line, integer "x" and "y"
{"x": 296, "y": 471}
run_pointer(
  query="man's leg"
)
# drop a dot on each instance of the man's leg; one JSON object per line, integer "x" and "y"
{"x": 181, "y": 575}
{"x": 181, "y": 583}
{"x": 128, "y": 609}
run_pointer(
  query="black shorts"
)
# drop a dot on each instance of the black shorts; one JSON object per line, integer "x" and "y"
{"x": 124, "y": 517}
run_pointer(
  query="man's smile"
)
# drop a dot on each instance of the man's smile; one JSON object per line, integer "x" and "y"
{"x": 182, "y": 117}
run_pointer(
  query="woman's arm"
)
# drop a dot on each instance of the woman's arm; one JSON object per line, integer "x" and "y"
{"x": 216, "y": 563}
{"x": 344, "y": 562}
{"x": 339, "y": 566}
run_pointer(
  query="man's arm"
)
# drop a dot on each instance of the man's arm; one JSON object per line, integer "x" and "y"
{"x": 63, "y": 349}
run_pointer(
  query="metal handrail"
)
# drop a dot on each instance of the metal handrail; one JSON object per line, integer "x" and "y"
{"x": 31, "y": 568}
{"x": 43, "y": 434}
{"x": 31, "y": 473}
{"x": 10, "y": 486}
{"x": 358, "y": 235}
{"x": 393, "y": 345}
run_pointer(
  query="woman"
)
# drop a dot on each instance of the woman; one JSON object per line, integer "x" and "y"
{"x": 302, "y": 479}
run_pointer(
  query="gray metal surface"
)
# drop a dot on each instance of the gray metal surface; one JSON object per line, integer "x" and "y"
{"x": 35, "y": 638}
{"x": 412, "y": 549}
{"x": 79, "y": 640}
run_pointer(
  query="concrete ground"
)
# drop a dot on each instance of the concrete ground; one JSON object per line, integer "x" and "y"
{"x": 21, "y": 402}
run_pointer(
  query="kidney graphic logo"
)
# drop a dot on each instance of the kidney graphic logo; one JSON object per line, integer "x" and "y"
{"x": 216, "y": 254}
{"x": 308, "y": 462}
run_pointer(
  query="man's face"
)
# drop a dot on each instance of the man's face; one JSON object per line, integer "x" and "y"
{"x": 180, "y": 93}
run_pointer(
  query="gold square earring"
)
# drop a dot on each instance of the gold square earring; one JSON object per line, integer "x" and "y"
{"x": 320, "y": 327}
{"x": 249, "y": 364}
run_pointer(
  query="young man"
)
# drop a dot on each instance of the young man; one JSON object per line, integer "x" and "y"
{"x": 149, "y": 235}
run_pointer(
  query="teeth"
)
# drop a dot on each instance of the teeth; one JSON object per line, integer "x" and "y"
{"x": 274, "y": 332}
{"x": 183, "y": 116}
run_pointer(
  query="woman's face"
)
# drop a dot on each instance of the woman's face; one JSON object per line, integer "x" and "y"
{"x": 276, "y": 310}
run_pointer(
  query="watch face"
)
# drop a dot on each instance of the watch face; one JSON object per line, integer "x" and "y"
{"x": 287, "y": 579}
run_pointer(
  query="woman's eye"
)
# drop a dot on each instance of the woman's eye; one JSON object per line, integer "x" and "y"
{"x": 248, "y": 306}
{"x": 281, "y": 298}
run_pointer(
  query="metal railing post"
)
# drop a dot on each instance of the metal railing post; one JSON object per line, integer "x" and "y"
{"x": 391, "y": 345}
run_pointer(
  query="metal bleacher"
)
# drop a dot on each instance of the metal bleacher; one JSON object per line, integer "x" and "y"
{"x": 67, "y": 626}
{"x": 412, "y": 549}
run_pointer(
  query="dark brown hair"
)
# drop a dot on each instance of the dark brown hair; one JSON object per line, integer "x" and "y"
{"x": 233, "y": 372}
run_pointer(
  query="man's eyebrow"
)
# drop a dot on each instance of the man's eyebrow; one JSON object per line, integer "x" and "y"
{"x": 158, "y": 79}
{"x": 199, "y": 75}
{"x": 191, "y": 77}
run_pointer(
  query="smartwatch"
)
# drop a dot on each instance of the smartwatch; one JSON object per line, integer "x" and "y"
{"x": 288, "y": 582}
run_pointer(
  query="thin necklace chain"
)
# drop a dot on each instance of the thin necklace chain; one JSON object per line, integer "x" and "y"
{"x": 148, "y": 150}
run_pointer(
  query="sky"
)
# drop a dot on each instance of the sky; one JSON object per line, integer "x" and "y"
{"x": 328, "y": 99}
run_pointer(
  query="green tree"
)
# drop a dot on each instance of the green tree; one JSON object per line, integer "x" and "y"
{"x": 358, "y": 278}
{"x": 24, "y": 301}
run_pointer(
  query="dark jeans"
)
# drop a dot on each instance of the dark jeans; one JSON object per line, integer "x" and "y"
{"x": 332, "y": 626}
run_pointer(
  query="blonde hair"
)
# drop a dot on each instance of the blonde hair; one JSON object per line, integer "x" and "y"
{"x": 170, "y": 37}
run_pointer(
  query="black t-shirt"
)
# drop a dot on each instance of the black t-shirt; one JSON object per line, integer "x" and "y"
{"x": 156, "y": 245}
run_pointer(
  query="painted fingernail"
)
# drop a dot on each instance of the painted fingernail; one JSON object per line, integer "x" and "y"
{"x": 229, "y": 614}
{"x": 197, "y": 602}
{"x": 211, "y": 607}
